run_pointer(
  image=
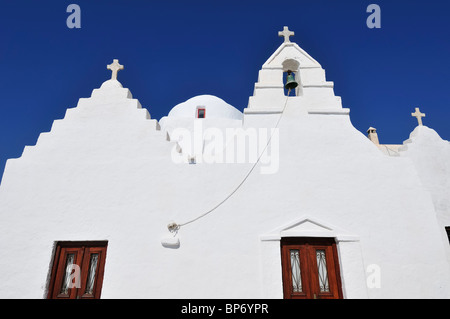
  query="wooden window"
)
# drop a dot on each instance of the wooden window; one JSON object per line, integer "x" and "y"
{"x": 310, "y": 268}
{"x": 77, "y": 270}
{"x": 201, "y": 113}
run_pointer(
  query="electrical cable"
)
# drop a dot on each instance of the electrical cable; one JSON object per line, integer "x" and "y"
{"x": 173, "y": 227}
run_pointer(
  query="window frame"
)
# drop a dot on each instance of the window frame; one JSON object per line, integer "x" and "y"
{"x": 83, "y": 251}
{"x": 198, "y": 112}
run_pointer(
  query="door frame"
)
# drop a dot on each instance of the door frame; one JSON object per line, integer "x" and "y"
{"x": 348, "y": 245}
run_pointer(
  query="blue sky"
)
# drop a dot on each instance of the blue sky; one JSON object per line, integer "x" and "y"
{"x": 174, "y": 50}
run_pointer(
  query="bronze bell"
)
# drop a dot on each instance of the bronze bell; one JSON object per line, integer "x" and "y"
{"x": 290, "y": 81}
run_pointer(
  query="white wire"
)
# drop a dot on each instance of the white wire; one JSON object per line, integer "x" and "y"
{"x": 175, "y": 227}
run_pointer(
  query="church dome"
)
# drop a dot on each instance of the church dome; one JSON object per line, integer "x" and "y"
{"x": 207, "y": 106}
{"x": 111, "y": 84}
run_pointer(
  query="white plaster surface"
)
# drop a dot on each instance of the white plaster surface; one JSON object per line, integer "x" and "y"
{"x": 430, "y": 155}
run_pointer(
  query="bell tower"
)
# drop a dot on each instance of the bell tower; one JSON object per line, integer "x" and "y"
{"x": 291, "y": 67}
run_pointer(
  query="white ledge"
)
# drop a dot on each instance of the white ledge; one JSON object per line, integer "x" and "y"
{"x": 281, "y": 68}
{"x": 262, "y": 111}
{"x": 268, "y": 86}
{"x": 329, "y": 84}
{"x": 330, "y": 111}
{"x": 309, "y": 227}
{"x": 305, "y": 86}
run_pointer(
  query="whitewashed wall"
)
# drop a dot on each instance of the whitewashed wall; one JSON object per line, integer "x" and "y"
{"x": 105, "y": 172}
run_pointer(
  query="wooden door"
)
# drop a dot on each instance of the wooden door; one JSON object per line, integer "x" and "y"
{"x": 310, "y": 268}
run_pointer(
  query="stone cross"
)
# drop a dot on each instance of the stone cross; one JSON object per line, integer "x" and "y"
{"x": 286, "y": 34}
{"x": 114, "y": 67}
{"x": 418, "y": 115}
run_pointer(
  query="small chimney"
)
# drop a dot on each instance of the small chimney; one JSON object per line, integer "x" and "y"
{"x": 373, "y": 136}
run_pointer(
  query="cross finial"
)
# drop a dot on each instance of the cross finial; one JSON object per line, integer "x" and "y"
{"x": 114, "y": 67}
{"x": 418, "y": 115}
{"x": 286, "y": 34}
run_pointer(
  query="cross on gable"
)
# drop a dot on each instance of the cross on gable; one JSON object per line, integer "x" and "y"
{"x": 286, "y": 34}
{"x": 114, "y": 67}
{"x": 418, "y": 115}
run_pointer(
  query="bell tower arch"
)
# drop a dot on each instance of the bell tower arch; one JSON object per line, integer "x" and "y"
{"x": 291, "y": 67}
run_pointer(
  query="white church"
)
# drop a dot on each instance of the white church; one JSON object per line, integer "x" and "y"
{"x": 286, "y": 199}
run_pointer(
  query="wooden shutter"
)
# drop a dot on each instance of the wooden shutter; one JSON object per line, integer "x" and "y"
{"x": 84, "y": 277}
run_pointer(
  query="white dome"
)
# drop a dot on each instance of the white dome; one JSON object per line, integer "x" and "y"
{"x": 111, "y": 84}
{"x": 214, "y": 108}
